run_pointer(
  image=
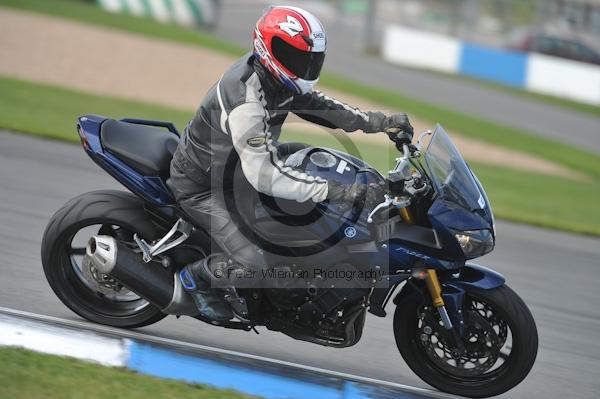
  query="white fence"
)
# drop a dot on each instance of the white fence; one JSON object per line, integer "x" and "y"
{"x": 535, "y": 72}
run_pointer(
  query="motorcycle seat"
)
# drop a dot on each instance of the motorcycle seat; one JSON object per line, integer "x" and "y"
{"x": 147, "y": 149}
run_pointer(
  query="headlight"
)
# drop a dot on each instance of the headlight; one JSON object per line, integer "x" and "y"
{"x": 475, "y": 243}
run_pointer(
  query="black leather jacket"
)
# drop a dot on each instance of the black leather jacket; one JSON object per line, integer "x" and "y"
{"x": 239, "y": 123}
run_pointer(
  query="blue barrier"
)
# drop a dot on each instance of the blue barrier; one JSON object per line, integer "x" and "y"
{"x": 530, "y": 71}
{"x": 502, "y": 66}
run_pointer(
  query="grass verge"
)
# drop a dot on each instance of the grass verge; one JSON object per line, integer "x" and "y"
{"x": 524, "y": 197}
{"x": 542, "y": 200}
{"x": 30, "y": 375}
{"x": 576, "y": 159}
{"x": 52, "y": 111}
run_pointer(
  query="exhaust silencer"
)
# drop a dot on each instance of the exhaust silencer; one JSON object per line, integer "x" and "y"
{"x": 150, "y": 281}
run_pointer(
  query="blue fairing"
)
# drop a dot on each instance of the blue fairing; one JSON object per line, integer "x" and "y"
{"x": 449, "y": 215}
{"x": 470, "y": 276}
{"x": 398, "y": 254}
{"x": 151, "y": 188}
{"x": 477, "y": 276}
{"x": 405, "y": 257}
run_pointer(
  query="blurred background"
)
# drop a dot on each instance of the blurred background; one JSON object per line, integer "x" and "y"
{"x": 516, "y": 83}
{"x": 574, "y": 25}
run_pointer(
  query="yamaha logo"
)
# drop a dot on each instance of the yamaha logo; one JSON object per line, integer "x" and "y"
{"x": 350, "y": 232}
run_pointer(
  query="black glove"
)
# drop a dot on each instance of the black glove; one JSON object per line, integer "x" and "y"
{"x": 357, "y": 195}
{"x": 398, "y": 128}
{"x": 345, "y": 192}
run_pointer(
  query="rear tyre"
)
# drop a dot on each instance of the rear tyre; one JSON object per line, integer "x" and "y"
{"x": 502, "y": 337}
{"x": 92, "y": 296}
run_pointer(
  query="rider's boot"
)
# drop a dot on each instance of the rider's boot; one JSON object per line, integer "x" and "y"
{"x": 208, "y": 281}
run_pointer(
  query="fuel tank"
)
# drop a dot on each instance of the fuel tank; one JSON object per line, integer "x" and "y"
{"x": 315, "y": 227}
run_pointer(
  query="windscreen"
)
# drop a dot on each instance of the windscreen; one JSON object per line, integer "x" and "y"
{"x": 449, "y": 173}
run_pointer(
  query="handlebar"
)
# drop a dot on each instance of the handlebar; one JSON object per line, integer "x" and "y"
{"x": 405, "y": 180}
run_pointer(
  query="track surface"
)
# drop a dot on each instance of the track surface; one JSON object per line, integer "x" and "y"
{"x": 557, "y": 275}
{"x": 346, "y": 57}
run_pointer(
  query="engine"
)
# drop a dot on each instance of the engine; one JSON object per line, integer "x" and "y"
{"x": 325, "y": 305}
{"x": 318, "y": 301}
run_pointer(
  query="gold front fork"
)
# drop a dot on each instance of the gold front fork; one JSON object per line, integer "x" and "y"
{"x": 432, "y": 281}
{"x": 406, "y": 216}
{"x": 435, "y": 290}
{"x": 434, "y": 287}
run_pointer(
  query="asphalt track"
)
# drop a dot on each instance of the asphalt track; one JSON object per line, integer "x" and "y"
{"x": 347, "y": 58}
{"x": 556, "y": 273}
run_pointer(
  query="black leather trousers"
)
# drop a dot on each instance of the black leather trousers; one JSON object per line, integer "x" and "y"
{"x": 208, "y": 208}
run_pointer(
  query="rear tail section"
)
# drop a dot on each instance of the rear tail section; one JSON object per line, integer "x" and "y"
{"x": 136, "y": 152}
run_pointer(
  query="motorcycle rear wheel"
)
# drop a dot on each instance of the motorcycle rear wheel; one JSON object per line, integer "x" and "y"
{"x": 507, "y": 313}
{"x": 115, "y": 213}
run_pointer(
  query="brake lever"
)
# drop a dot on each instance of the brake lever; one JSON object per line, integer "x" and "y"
{"x": 384, "y": 204}
{"x": 396, "y": 201}
{"x": 421, "y": 139}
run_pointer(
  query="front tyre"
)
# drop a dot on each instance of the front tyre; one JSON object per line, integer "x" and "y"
{"x": 500, "y": 338}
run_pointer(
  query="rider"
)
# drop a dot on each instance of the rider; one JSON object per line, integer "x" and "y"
{"x": 238, "y": 124}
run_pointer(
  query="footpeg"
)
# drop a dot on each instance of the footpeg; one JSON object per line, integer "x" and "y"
{"x": 238, "y": 304}
{"x": 167, "y": 242}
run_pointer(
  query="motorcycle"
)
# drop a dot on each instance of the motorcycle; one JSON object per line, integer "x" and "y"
{"x": 113, "y": 256}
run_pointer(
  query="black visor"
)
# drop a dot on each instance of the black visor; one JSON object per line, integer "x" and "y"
{"x": 303, "y": 64}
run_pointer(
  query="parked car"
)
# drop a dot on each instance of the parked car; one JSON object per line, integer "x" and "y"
{"x": 559, "y": 47}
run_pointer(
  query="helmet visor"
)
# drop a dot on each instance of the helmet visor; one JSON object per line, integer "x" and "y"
{"x": 304, "y": 64}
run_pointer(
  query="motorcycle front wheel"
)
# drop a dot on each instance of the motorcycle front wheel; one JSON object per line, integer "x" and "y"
{"x": 500, "y": 340}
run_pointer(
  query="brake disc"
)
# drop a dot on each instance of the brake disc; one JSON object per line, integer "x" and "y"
{"x": 482, "y": 345}
{"x": 102, "y": 283}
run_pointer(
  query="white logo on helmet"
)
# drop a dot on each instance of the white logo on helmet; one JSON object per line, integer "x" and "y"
{"x": 292, "y": 27}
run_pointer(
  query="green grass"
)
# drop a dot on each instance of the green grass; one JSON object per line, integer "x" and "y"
{"x": 515, "y": 195}
{"x": 576, "y": 159}
{"x": 29, "y": 375}
{"x": 52, "y": 111}
{"x": 542, "y": 200}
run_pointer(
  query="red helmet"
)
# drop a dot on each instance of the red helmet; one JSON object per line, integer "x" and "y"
{"x": 290, "y": 42}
